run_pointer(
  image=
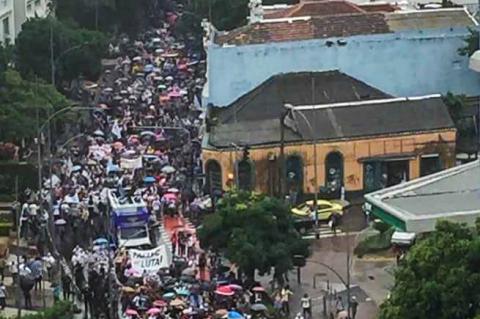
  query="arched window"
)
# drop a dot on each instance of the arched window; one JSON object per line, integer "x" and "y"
{"x": 294, "y": 170}
{"x": 245, "y": 175}
{"x": 334, "y": 171}
{"x": 214, "y": 177}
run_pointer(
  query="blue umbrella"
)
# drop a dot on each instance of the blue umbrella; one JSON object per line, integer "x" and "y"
{"x": 169, "y": 295}
{"x": 100, "y": 241}
{"x": 182, "y": 292}
{"x": 149, "y": 179}
{"x": 148, "y": 68}
{"x": 234, "y": 315}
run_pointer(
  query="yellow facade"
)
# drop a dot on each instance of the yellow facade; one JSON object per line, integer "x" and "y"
{"x": 352, "y": 150}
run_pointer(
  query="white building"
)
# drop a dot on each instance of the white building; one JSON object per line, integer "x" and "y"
{"x": 13, "y": 13}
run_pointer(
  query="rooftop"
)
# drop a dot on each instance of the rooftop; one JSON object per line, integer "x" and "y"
{"x": 455, "y": 191}
{"x": 336, "y": 105}
{"x": 329, "y": 19}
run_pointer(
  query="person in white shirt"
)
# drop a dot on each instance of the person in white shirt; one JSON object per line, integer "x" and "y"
{"x": 306, "y": 306}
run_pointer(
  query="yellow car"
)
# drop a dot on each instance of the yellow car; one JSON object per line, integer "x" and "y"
{"x": 325, "y": 209}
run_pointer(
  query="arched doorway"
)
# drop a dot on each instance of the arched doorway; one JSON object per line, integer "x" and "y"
{"x": 214, "y": 177}
{"x": 294, "y": 171}
{"x": 334, "y": 171}
{"x": 245, "y": 175}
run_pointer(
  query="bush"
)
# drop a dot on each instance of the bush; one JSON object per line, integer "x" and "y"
{"x": 61, "y": 310}
{"x": 5, "y": 229}
{"x": 375, "y": 243}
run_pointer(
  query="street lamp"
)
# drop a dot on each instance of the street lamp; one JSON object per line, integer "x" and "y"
{"x": 54, "y": 61}
{"x": 294, "y": 111}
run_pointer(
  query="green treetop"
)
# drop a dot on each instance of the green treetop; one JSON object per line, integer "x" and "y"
{"x": 253, "y": 231}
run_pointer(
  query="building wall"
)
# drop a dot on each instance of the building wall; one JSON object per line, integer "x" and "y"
{"x": 7, "y": 12}
{"x": 402, "y": 64}
{"x": 18, "y": 11}
{"x": 352, "y": 151}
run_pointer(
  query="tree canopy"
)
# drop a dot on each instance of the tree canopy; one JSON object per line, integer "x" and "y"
{"x": 226, "y": 14}
{"x": 110, "y": 15}
{"x": 253, "y": 231}
{"x": 439, "y": 279}
{"x": 19, "y": 102}
{"x": 76, "y": 51}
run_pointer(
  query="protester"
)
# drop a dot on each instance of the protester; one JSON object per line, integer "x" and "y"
{"x": 306, "y": 302}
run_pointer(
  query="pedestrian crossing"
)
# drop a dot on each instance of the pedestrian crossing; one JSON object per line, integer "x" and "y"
{"x": 325, "y": 232}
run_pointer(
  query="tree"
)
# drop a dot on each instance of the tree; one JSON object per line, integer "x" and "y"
{"x": 253, "y": 231}
{"x": 76, "y": 51}
{"x": 440, "y": 278}
{"x": 226, "y": 14}
{"x": 110, "y": 15}
{"x": 21, "y": 101}
{"x": 471, "y": 43}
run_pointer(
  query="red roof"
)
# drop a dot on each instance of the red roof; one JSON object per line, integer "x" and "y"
{"x": 343, "y": 25}
{"x": 378, "y": 7}
{"x": 315, "y": 8}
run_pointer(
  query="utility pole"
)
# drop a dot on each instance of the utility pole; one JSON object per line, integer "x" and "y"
{"x": 52, "y": 55}
{"x": 96, "y": 15}
{"x": 18, "y": 214}
{"x": 282, "y": 155}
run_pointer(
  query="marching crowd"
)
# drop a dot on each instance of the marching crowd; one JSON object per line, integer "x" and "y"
{"x": 141, "y": 141}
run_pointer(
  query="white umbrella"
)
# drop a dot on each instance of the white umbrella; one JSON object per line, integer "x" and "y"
{"x": 168, "y": 169}
{"x": 60, "y": 222}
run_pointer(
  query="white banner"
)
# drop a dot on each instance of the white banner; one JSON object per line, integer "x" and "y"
{"x": 126, "y": 163}
{"x": 149, "y": 260}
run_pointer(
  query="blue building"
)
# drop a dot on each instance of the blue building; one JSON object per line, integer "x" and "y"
{"x": 402, "y": 53}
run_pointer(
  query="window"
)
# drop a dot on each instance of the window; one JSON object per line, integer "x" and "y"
{"x": 245, "y": 175}
{"x": 38, "y": 3}
{"x": 334, "y": 171}
{"x": 29, "y": 8}
{"x": 430, "y": 164}
{"x": 214, "y": 177}
{"x": 6, "y": 26}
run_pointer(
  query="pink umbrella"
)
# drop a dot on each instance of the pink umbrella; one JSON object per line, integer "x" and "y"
{"x": 159, "y": 303}
{"x": 131, "y": 312}
{"x": 224, "y": 291}
{"x": 259, "y": 289}
{"x": 170, "y": 197}
{"x": 235, "y": 287}
{"x": 131, "y": 272}
{"x": 153, "y": 311}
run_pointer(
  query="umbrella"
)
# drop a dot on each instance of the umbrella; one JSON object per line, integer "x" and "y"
{"x": 169, "y": 295}
{"x": 76, "y": 168}
{"x": 128, "y": 289}
{"x": 177, "y": 303}
{"x": 221, "y": 312}
{"x": 234, "y": 315}
{"x": 224, "y": 291}
{"x": 100, "y": 241}
{"x": 145, "y": 133}
{"x": 108, "y": 90}
{"x": 60, "y": 222}
{"x": 153, "y": 311}
{"x": 173, "y": 190}
{"x": 131, "y": 272}
{"x": 159, "y": 303}
{"x": 118, "y": 145}
{"x": 259, "y": 289}
{"x": 258, "y": 307}
{"x": 148, "y": 68}
{"x": 183, "y": 292}
{"x": 137, "y": 58}
{"x": 149, "y": 179}
{"x": 168, "y": 169}
{"x": 235, "y": 287}
{"x": 131, "y": 312}
{"x": 98, "y": 133}
{"x": 188, "y": 271}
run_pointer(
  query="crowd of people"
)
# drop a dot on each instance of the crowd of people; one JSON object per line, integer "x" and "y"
{"x": 141, "y": 141}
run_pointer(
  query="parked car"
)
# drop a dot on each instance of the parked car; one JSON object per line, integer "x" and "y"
{"x": 325, "y": 209}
